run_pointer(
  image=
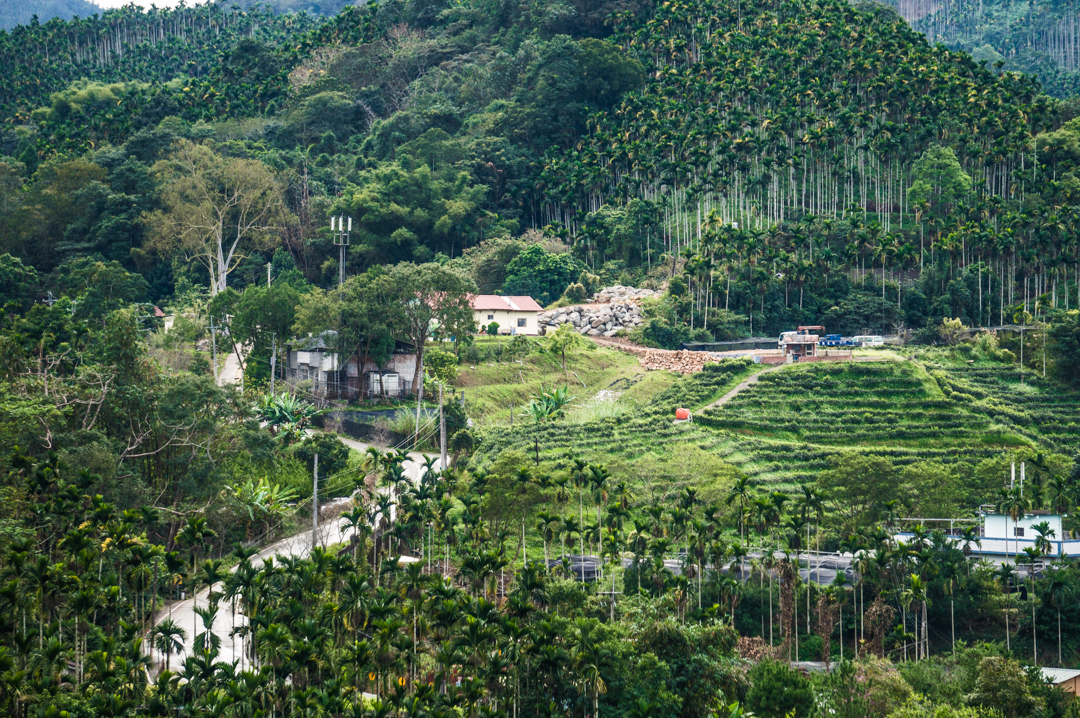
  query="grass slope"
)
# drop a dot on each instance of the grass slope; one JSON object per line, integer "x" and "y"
{"x": 785, "y": 429}
{"x": 491, "y": 388}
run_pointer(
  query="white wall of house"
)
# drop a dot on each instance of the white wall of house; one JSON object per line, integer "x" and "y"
{"x": 1001, "y": 526}
{"x": 510, "y": 322}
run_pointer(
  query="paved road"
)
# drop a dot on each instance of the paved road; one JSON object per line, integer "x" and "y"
{"x": 183, "y": 612}
{"x": 229, "y": 371}
{"x": 330, "y": 533}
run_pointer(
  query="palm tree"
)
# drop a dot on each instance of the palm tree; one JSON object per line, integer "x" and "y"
{"x": 1042, "y": 541}
{"x": 1006, "y": 573}
{"x": 1057, "y": 592}
{"x": 969, "y": 536}
{"x": 950, "y": 572}
{"x": 598, "y": 481}
{"x": 1033, "y": 555}
{"x": 589, "y": 659}
{"x": 195, "y": 534}
{"x": 638, "y": 542}
{"x": 168, "y": 637}
{"x": 546, "y": 524}
{"x": 579, "y": 477}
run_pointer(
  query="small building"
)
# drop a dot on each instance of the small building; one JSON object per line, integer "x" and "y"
{"x": 1067, "y": 678}
{"x": 800, "y": 343}
{"x": 1000, "y": 526}
{"x": 514, "y": 315}
{"x": 316, "y": 359}
{"x": 1001, "y": 539}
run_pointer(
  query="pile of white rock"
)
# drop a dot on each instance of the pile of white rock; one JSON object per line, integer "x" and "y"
{"x": 619, "y": 293}
{"x": 595, "y": 320}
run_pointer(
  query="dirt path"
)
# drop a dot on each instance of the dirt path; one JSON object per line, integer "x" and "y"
{"x": 752, "y": 379}
{"x": 230, "y": 371}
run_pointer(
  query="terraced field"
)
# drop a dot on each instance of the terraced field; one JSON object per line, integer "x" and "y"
{"x": 784, "y": 429}
{"x": 862, "y": 404}
{"x": 1039, "y": 409}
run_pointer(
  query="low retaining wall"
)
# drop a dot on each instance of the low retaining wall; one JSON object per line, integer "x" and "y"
{"x": 345, "y": 423}
{"x": 777, "y": 359}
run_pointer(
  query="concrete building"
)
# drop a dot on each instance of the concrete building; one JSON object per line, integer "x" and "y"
{"x": 801, "y": 343}
{"x": 315, "y": 359}
{"x": 1001, "y": 539}
{"x": 514, "y": 315}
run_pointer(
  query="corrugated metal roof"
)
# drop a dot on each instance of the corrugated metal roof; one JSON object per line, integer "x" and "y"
{"x": 1059, "y": 675}
{"x": 501, "y": 303}
{"x": 319, "y": 342}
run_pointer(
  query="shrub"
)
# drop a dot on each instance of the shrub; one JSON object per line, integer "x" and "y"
{"x": 921, "y": 708}
{"x": 778, "y": 691}
{"x": 952, "y": 331}
{"x": 575, "y": 293}
{"x": 1002, "y": 684}
{"x": 658, "y": 333}
{"x": 441, "y": 364}
{"x": 333, "y": 455}
{"x": 462, "y": 442}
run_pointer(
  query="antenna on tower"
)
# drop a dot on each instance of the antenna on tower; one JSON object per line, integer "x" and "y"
{"x": 340, "y": 229}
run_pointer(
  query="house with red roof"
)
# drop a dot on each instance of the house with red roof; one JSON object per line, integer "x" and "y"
{"x": 514, "y": 315}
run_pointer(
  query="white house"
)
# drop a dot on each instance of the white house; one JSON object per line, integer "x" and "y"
{"x": 1000, "y": 526}
{"x": 1001, "y": 539}
{"x": 514, "y": 315}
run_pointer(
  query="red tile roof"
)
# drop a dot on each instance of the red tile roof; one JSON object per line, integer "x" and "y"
{"x": 510, "y": 304}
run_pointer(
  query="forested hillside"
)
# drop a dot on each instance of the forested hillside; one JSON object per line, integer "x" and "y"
{"x": 778, "y": 148}
{"x": 1040, "y": 37}
{"x": 24, "y": 11}
{"x": 287, "y": 192}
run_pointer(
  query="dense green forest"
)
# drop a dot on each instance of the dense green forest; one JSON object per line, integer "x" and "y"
{"x": 905, "y": 172}
{"x": 762, "y": 164}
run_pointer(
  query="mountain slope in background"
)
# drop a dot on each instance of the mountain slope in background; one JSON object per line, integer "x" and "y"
{"x": 21, "y": 12}
{"x": 1041, "y": 37}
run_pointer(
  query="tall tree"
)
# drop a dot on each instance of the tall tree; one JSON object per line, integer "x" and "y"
{"x": 216, "y": 209}
{"x": 426, "y": 300}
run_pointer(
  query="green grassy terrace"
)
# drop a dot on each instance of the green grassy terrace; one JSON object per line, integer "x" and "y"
{"x": 785, "y": 429}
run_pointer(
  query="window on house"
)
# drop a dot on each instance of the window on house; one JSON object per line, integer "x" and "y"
{"x": 521, "y": 322}
{"x": 1018, "y": 532}
{"x": 490, "y": 317}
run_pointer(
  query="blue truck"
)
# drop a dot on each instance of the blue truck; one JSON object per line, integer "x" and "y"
{"x": 835, "y": 340}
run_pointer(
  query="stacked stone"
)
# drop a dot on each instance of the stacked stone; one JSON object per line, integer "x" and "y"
{"x": 595, "y": 320}
{"x": 619, "y": 293}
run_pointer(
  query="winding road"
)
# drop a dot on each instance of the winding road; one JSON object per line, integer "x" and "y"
{"x": 331, "y": 532}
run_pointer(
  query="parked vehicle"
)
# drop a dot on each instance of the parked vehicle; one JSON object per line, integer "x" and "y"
{"x": 835, "y": 340}
{"x": 869, "y": 340}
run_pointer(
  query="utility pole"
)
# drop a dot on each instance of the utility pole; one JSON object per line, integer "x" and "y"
{"x": 340, "y": 228}
{"x": 442, "y": 430}
{"x": 213, "y": 344}
{"x": 273, "y": 361}
{"x": 315, "y": 504}
{"x": 268, "y": 266}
